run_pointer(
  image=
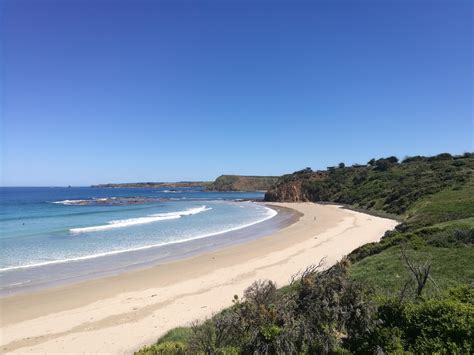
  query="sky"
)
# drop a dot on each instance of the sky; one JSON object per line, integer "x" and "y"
{"x": 123, "y": 91}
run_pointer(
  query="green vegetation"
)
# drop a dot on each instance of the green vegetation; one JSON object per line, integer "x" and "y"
{"x": 444, "y": 325}
{"x": 383, "y": 184}
{"x": 328, "y": 312}
{"x": 172, "y": 342}
{"x": 452, "y": 203}
{"x": 387, "y": 273}
{"x": 243, "y": 183}
{"x": 411, "y": 293}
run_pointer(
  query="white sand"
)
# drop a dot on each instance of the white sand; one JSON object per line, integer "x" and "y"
{"x": 122, "y": 313}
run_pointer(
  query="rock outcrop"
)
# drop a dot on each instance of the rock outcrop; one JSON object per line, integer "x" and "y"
{"x": 287, "y": 192}
{"x": 292, "y": 188}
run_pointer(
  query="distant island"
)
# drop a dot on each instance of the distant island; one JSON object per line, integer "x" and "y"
{"x": 222, "y": 183}
{"x": 157, "y": 185}
{"x": 243, "y": 183}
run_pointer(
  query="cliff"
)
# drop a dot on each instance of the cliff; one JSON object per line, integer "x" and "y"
{"x": 292, "y": 187}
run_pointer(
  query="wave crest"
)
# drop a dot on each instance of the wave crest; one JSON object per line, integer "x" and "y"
{"x": 141, "y": 220}
{"x": 69, "y": 202}
{"x": 110, "y": 201}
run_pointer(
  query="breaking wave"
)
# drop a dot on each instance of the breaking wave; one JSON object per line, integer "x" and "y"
{"x": 141, "y": 220}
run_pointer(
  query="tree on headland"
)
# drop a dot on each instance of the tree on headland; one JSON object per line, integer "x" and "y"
{"x": 385, "y": 164}
{"x": 392, "y": 159}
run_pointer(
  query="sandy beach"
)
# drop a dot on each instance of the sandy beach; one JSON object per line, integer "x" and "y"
{"x": 119, "y": 314}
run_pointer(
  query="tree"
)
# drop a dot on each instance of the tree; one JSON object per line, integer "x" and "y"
{"x": 392, "y": 159}
{"x": 420, "y": 271}
{"x": 382, "y": 164}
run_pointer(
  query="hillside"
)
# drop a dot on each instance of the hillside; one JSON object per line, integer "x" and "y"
{"x": 411, "y": 293}
{"x": 381, "y": 185}
{"x": 433, "y": 197}
{"x": 242, "y": 183}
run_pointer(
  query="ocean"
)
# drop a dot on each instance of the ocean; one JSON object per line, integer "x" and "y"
{"x": 51, "y": 235}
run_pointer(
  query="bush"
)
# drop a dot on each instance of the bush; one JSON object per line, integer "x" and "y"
{"x": 416, "y": 158}
{"x": 165, "y": 348}
{"x": 442, "y": 326}
{"x": 327, "y": 313}
{"x": 464, "y": 294}
{"x": 309, "y": 317}
{"x": 180, "y": 334}
{"x": 458, "y": 237}
{"x": 442, "y": 156}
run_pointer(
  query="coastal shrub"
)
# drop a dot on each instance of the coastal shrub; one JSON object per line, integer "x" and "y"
{"x": 459, "y": 237}
{"x": 383, "y": 164}
{"x": 443, "y": 326}
{"x": 180, "y": 334}
{"x": 440, "y": 326}
{"x": 212, "y": 336}
{"x": 442, "y": 156}
{"x": 436, "y": 326}
{"x": 390, "y": 239}
{"x": 334, "y": 309}
{"x": 325, "y": 312}
{"x": 463, "y": 293}
{"x": 311, "y": 316}
{"x": 415, "y": 158}
{"x": 164, "y": 348}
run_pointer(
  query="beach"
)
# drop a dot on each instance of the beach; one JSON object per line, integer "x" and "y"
{"x": 121, "y": 313}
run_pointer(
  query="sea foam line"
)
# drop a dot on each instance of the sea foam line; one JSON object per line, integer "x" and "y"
{"x": 121, "y": 223}
{"x": 70, "y": 202}
{"x": 270, "y": 214}
{"x": 78, "y": 202}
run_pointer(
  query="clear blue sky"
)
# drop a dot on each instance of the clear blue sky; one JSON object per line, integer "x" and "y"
{"x": 114, "y": 91}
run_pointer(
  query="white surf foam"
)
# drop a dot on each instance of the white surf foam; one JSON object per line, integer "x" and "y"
{"x": 270, "y": 213}
{"x": 141, "y": 220}
{"x": 70, "y": 202}
{"x": 77, "y": 202}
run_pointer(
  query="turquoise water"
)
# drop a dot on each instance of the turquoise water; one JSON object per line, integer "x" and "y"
{"x": 53, "y": 230}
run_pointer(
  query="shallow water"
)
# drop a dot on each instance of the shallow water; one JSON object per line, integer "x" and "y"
{"x": 53, "y": 234}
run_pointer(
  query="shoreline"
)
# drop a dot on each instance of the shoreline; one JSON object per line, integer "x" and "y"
{"x": 121, "y": 313}
{"x": 53, "y": 274}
